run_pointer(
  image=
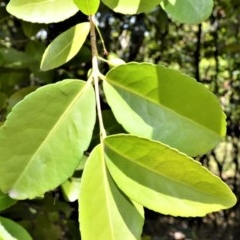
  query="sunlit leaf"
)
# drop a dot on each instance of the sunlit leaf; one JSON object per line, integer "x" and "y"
{"x": 42, "y": 11}
{"x": 71, "y": 188}
{"x": 44, "y": 137}
{"x": 188, "y": 11}
{"x": 131, "y": 7}
{"x": 163, "y": 179}
{"x": 104, "y": 211}
{"x": 9, "y": 230}
{"x": 88, "y": 7}
{"x": 65, "y": 46}
{"x": 163, "y": 104}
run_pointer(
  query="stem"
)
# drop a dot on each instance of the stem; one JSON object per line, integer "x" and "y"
{"x": 95, "y": 74}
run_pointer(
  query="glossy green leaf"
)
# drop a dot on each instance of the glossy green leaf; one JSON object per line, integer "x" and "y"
{"x": 44, "y": 137}
{"x": 42, "y": 11}
{"x": 9, "y": 230}
{"x": 156, "y": 102}
{"x": 188, "y": 11}
{"x": 104, "y": 211}
{"x": 163, "y": 179}
{"x": 5, "y": 201}
{"x": 88, "y": 7}
{"x": 65, "y": 46}
{"x": 131, "y": 7}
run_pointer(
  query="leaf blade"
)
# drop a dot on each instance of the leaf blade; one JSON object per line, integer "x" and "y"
{"x": 65, "y": 46}
{"x": 5, "y": 201}
{"x": 12, "y": 230}
{"x": 118, "y": 217}
{"x": 165, "y": 105}
{"x": 88, "y": 7}
{"x": 164, "y": 179}
{"x": 41, "y": 11}
{"x": 131, "y": 7}
{"x": 188, "y": 11}
{"x": 36, "y": 162}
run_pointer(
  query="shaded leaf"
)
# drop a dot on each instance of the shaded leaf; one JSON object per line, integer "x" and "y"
{"x": 18, "y": 96}
{"x": 163, "y": 179}
{"x": 5, "y": 200}
{"x": 9, "y": 78}
{"x": 104, "y": 211}
{"x": 3, "y": 99}
{"x": 188, "y": 11}
{"x": 42, "y": 11}
{"x": 9, "y": 230}
{"x": 65, "y": 46}
{"x": 156, "y": 102}
{"x": 88, "y": 7}
{"x": 131, "y": 7}
{"x": 11, "y": 58}
{"x": 43, "y": 138}
{"x": 31, "y": 29}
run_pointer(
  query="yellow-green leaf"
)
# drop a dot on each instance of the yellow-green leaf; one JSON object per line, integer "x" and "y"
{"x": 44, "y": 137}
{"x": 42, "y": 11}
{"x": 65, "y": 46}
{"x": 104, "y": 211}
{"x": 163, "y": 179}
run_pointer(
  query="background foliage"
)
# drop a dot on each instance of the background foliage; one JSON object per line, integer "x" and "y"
{"x": 208, "y": 51}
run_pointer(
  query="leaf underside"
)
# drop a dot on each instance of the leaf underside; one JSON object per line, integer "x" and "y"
{"x": 163, "y": 104}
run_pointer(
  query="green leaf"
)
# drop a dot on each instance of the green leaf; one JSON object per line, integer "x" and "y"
{"x": 188, "y": 11}
{"x": 43, "y": 138}
{"x": 70, "y": 189}
{"x": 36, "y": 49}
{"x": 163, "y": 179}
{"x": 88, "y": 7}
{"x": 65, "y": 46}
{"x": 42, "y": 11}
{"x": 18, "y": 96}
{"x": 3, "y": 100}
{"x": 5, "y": 201}
{"x": 31, "y": 29}
{"x": 9, "y": 230}
{"x": 131, "y": 7}
{"x": 12, "y": 58}
{"x": 156, "y": 102}
{"x": 9, "y": 78}
{"x": 104, "y": 211}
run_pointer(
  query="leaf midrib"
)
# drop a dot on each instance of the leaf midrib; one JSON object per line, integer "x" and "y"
{"x": 155, "y": 172}
{"x": 50, "y": 133}
{"x": 167, "y": 109}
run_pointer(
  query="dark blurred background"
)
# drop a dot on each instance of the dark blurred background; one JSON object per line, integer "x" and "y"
{"x": 210, "y": 52}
